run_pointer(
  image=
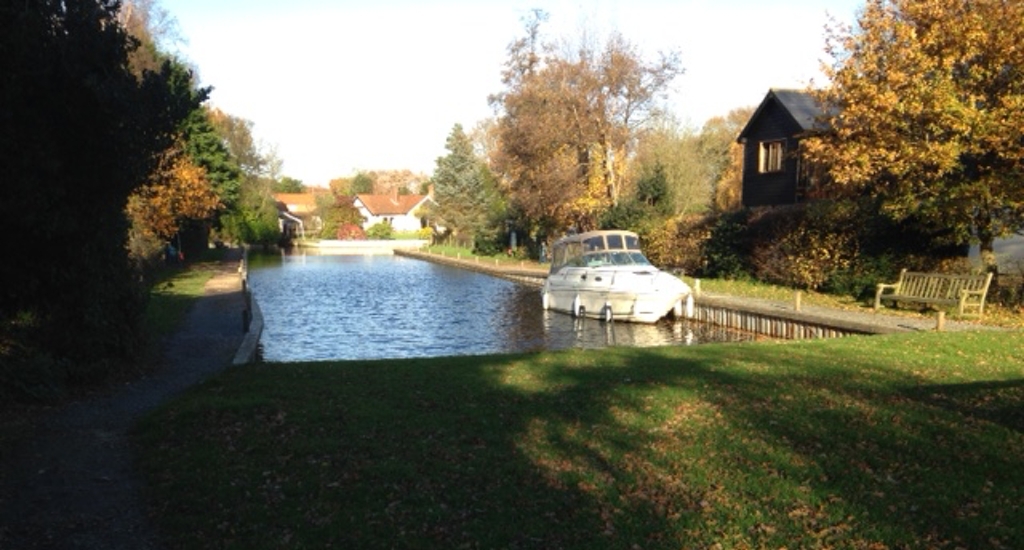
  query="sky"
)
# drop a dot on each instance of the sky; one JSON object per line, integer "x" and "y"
{"x": 338, "y": 86}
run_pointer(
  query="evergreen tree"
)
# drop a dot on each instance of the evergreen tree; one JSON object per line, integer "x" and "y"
{"x": 461, "y": 187}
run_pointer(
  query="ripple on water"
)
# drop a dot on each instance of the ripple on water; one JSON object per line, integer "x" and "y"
{"x": 373, "y": 307}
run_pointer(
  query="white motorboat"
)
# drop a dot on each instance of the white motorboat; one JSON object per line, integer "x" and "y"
{"x": 604, "y": 275}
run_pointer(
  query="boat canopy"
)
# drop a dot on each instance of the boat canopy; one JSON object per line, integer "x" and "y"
{"x": 598, "y": 249}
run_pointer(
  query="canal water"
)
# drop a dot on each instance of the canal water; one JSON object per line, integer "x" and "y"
{"x": 322, "y": 307}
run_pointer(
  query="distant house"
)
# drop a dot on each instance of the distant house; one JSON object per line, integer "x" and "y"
{"x": 297, "y": 213}
{"x": 773, "y": 173}
{"x": 400, "y": 211}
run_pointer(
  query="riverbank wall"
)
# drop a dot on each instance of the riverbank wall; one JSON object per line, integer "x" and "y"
{"x": 252, "y": 318}
{"x": 781, "y": 321}
{"x": 513, "y": 270}
{"x": 369, "y": 247}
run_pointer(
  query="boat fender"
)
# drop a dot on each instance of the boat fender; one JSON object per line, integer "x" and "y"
{"x": 606, "y": 313}
{"x": 545, "y": 301}
{"x": 577, "y": 308}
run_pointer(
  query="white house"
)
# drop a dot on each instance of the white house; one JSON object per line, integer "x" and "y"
{"x": 397, "y": 210}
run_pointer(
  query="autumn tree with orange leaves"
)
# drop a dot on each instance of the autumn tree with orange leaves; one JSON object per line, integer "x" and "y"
{"x": 176, "y": 191}
{"x": 568, "y": 123}
{"x": 927, "y": 114}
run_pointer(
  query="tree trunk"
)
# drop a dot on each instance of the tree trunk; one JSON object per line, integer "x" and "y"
{"x": 986, "y": 240}
{"x": 988, "y": 254}
{"x": 609, "y": 168}
{"x": 986, "y": 249}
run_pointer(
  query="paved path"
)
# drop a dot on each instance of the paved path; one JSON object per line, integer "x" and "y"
{"x": 72, "y": 485}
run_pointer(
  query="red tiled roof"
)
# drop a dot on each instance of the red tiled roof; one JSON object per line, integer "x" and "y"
{"x": 390, "y": 205}
{"x": 297, "y": 203}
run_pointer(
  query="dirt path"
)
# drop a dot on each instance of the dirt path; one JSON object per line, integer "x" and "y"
{"x": 72, "y": 484}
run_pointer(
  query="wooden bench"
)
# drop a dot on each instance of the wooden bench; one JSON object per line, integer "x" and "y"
{"x": 967, "y": 292}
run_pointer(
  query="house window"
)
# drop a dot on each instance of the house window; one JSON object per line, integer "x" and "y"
{"x": 771, "y": 154}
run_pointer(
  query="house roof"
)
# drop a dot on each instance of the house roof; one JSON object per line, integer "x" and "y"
{"x": 800, "y": 105}
{"x": 297, "y": 203}
{"x": 391, "y": 205}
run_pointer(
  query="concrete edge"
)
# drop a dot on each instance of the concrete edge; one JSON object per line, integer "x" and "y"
{"x": 779, "y": 311}
{"x": 246, "y": 353}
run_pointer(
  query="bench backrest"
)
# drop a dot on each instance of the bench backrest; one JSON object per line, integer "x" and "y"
{"x": 943, "y": 286}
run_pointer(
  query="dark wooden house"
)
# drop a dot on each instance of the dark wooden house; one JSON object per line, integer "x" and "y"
{"x": 772, "y": 171}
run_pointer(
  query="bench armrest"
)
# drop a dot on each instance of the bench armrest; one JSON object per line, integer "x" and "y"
{"x": 978, "y": 300}
{"x": 964, "y": 294}
{"x": 882, "y": 287}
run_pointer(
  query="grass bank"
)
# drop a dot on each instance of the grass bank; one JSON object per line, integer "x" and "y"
{"x": 172, "y": 294}
{"x": 1009, "y": 316}
{"x": 903, "y": 441}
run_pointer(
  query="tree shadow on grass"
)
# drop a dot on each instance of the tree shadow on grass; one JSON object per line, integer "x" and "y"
{"x": 1000, "y": 401}
{"x": 745, "y": 445}
{"x": 878, "y": 467}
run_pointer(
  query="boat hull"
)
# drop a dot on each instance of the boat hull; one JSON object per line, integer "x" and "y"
{"x": 620, "y": 294}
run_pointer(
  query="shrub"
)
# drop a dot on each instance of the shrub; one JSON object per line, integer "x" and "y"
{"x": 490, "y": 241}
{"x": 381, "y": 231}
{"x": 350, "y": 232}
{"x": 679, "y": 243}
{"x": 841, "y": 247}
{"x": 28, "y": 371}
{"x": 858, "y": 280}
{"x": 801, "y": 256}
{"x": 801, "y": 246}
{"x": 728, "y": 247}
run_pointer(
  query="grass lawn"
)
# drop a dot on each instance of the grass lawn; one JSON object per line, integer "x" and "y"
{"x": 174, "y": 292}
{"x": 466, "y": 254}
{"x": 902, "y": 441}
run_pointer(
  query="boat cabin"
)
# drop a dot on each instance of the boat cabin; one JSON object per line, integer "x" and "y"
{"x": 598, "y": 249}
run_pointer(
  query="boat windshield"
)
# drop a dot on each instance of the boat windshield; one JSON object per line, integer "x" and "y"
{"x": 638, "y": 258}
{"x": 599, "y": 250}
{"x": 596, "y": 259}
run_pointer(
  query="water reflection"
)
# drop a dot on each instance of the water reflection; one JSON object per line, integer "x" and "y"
{"x": 372, "y": 307}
